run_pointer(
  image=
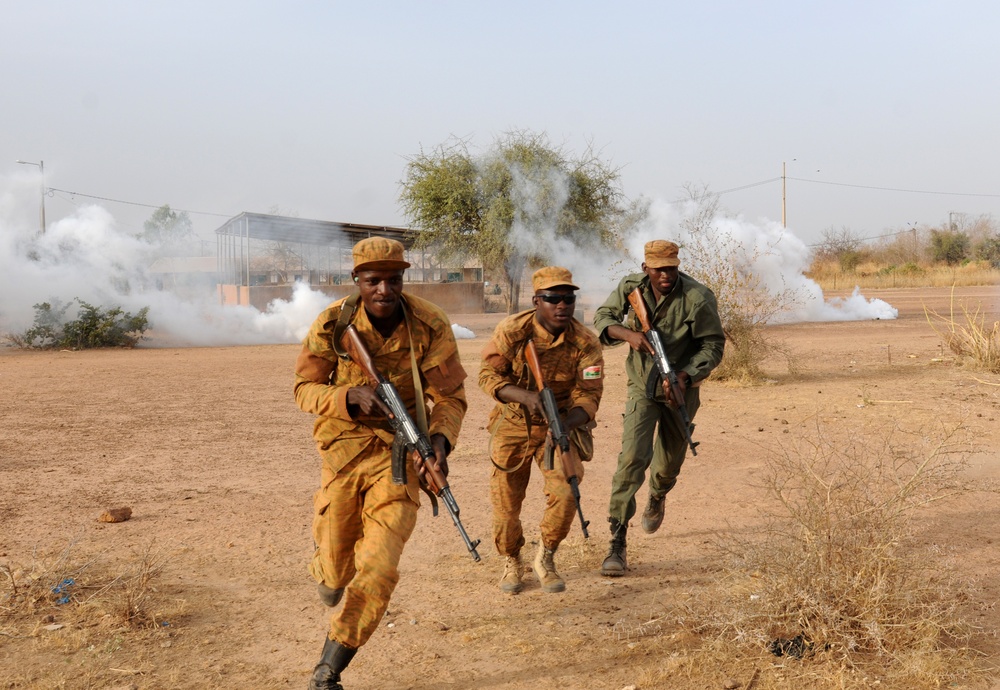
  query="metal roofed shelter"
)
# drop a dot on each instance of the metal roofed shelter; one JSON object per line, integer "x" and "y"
{"x": 320, "y": 256}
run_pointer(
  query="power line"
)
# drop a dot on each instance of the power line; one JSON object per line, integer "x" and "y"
{"x": 892, "y": 189}
{"x": 873, "y": 237}
{"x": 136, "y": 203}
{"x": 731, "y": 189}
{"x": 747, "y": 186}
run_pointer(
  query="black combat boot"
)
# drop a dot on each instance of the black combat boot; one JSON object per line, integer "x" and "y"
{"x": 335, "y": 658}
{"x": 615, "y": 562}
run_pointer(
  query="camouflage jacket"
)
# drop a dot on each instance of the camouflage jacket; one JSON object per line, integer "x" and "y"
{"x": 572, "y": 363}
{"x": 322, "y": 379}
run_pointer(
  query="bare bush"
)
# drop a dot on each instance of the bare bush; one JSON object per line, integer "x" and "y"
{"x": 969, "y": 336}
{"x": 725, "y": 264}
{"x": 835, "y": 574}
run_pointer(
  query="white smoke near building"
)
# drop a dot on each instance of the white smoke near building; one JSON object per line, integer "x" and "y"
{"x": 86, "y": 256}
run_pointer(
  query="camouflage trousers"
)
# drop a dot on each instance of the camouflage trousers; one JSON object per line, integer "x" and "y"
{"x": 360, "y": 525}
{"x": 509, "y": 483}
{"x": 652, "y": 440}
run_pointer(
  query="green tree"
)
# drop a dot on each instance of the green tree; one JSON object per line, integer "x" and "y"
{"x": 989, "y": 250}
{"x": 509, "y": 207}
{"x": 167, "y": 227}
{"x": 950, "y": 246}
{"x": 93, "y": 326}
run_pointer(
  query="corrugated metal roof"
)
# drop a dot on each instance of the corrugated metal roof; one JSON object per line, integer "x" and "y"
{"x": 260, "y": 226}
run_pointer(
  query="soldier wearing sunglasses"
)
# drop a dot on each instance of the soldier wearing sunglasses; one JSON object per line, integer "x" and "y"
{"x": 686, "y": 314}
{"x": 572, "y": 366}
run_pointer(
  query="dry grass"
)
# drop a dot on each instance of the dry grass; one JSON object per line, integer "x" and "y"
{"x": 830, "y": 276}
{"x": 835, "y": 573}
{"x": 974, "y": 342}
{"x": 94, "y": 588}
{"x": 101, "y": 610}
{"x": 748, "y": 347}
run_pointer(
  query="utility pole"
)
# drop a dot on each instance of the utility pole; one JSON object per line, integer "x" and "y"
{"x": 41, "y": 172}
{"x": 783, "y": 195}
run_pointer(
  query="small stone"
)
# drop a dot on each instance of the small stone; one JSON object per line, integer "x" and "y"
{"x": 731, "y": 684}
{"x": 115, "y": 514}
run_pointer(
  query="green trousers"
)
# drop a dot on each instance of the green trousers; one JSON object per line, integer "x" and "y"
{"x": 651, "y": 440}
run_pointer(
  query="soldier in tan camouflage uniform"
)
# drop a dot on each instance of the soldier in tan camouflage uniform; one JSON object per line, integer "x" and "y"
{"x": 572, "y": 366}
{"x": 362, "y": 520}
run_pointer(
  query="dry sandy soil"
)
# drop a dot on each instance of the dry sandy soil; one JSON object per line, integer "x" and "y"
{"x": 208, "y": 449}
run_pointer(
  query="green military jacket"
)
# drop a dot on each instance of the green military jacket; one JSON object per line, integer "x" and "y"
{"x": 687, "y": 318}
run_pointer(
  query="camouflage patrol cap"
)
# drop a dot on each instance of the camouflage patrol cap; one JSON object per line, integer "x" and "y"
{"x": 379, "y": 253}
{"x": 550, "y": 277}
{"x": 660, "y": 253}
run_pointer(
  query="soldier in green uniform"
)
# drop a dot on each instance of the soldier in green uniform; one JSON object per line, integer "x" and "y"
{"x": 687, "y": 316}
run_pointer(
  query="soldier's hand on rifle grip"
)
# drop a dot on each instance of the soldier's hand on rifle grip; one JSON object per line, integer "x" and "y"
{"x": 365, "y": 399}
{"x": 682, "y": 382}
{"x": 530, "y": 399}
{"x": 639, "y": 343}
{"x": 440, "y": 445}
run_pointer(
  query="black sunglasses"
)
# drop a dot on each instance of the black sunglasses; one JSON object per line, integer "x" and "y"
{"x": 556, "y": 299}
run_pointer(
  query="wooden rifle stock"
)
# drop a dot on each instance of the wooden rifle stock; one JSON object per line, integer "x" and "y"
{"x": 655, "y": 340}
{"x": 559, "y": 435}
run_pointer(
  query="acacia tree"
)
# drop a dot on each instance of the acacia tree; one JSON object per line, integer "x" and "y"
{"x": 167, "y": 227}
{"x": 510, "y": 206}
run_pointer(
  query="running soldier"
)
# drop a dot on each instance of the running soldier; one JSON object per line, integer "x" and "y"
{"x": 572, "y": 366}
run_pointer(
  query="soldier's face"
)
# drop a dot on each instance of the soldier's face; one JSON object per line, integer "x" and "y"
{"x": 380, "y": 291}
{"x": 662, "y": 279}
{"x": 554, "y": 317}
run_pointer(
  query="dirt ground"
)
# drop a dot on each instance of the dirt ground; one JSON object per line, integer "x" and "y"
{"x": 207, "y": 447}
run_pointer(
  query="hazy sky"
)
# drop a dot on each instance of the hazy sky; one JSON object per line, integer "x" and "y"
{"x": 313, "y": 107}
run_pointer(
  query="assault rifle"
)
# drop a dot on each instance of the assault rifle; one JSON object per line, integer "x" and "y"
{"x": 655, "y": 340}
{"x": 415, "y": 439}
{"x": 560, "y": 437}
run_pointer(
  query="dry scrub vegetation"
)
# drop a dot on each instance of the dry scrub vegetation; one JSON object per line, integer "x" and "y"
{"x": 830, "y": 275}
{"x": 108, "y": 603}
{"x": 832, "y": 582}
{"x": 974, "y": 341}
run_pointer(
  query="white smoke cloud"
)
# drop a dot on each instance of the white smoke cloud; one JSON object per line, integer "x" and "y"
{"x": 772, "y": 253}
{"x": 86, "y": 256}
{"x": 462, "y": 333}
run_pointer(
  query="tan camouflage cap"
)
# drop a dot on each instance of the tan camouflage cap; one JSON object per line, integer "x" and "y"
{"x": 379, "y": 253}
{"x": 660, "y": 253}
{"x": 550, "y": 277}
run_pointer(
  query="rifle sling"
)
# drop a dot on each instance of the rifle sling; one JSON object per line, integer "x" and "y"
{"x": 418, "y": 391}
{"x": 347, "y": 310}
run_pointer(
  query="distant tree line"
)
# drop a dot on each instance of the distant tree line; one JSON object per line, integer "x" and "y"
{"x": 952, "y": 243}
